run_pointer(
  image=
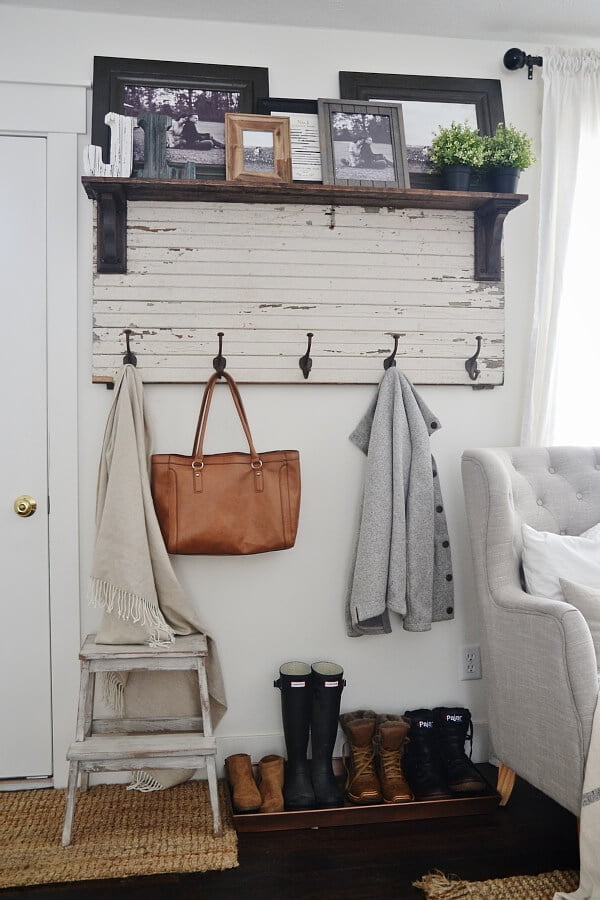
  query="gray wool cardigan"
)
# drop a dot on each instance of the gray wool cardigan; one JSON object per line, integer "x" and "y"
{"x": 403, "y": 562}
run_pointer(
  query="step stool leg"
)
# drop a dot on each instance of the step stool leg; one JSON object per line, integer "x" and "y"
{"x": 211, "y": 765}
{"x": 86, "y": 698}
{"x": 211, "y": 772}
{"x": 70, "y": 807}
{"x": 84, "y": 782}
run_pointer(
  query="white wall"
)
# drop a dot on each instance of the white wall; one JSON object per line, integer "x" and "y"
{"x": 268, "y": 609}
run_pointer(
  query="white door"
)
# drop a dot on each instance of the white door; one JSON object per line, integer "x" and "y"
{"x": 25, "y": 686}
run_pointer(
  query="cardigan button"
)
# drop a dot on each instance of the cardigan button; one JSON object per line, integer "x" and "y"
{"x": 449, "y": 610}
{"x": 439, "y": 509}
{"x": 448, "y": 577}
{"x": 434, "y": 425}
{"x": 445, "y": 543}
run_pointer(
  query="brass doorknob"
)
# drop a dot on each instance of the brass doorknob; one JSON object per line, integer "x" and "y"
{"x": 25, "y": 506}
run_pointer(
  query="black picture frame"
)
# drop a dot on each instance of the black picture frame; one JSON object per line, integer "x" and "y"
{"x": 338, "y": 139}
{"x": 484, "y": 94}
{"x": 267, "y": 105}
{"x": 113, "y": 74}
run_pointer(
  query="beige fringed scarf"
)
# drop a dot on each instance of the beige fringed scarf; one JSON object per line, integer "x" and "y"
{"x": 133, "y": 581}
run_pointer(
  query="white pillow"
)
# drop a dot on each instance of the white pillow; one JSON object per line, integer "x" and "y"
{"x": 587, "y": 601}
{"x": 547, "y": 557}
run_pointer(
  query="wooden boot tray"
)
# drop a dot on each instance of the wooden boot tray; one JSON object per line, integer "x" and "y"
{"x": 352, "y": 814}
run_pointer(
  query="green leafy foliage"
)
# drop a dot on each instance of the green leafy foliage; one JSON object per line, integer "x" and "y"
{"x": 508, "y": 147}
{"x": 456, "y": 145}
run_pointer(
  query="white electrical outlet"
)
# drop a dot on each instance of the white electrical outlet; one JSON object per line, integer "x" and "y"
{"x": 470, "y": 662}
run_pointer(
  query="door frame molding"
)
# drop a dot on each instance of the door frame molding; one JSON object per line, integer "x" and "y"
{"x": 58, "y": 113}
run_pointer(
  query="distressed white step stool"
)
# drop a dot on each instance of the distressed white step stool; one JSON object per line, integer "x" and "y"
{"x": 121, "y": 744}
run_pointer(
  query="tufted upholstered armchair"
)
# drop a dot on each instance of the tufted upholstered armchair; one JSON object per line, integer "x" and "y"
{"x": 539, "y": 661}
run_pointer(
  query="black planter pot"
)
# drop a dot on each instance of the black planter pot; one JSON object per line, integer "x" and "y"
{"x": 457, "y": 178}
{"x": 504, "y": 180}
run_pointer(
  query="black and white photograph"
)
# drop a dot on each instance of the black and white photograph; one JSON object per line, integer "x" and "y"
{"x": 196, "y": 97}
{"x": 258, "y": 151}
{"x": 362, "y": 145}
{"x": 197, "y": 132}
{"x": 421, "y": 123}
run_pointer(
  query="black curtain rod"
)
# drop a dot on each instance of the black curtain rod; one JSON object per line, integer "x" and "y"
{"x": 517, "y": 59}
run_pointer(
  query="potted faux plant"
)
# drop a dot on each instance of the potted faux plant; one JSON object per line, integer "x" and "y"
{"x": 505, "y": 155}
{"x": 455, "y": 152}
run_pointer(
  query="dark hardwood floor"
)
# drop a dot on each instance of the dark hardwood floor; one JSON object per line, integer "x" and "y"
{"x": 532, "y": 834}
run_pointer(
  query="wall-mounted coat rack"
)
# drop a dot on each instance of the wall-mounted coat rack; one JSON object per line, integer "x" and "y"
{"x": 297, "y": 299}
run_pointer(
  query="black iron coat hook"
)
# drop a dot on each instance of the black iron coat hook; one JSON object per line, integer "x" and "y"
{"x": 130, "y": 358}
{"x": 516, "y": 59}
{"x": 391, "y": 359}
{"x": 471, "y": 363}
{"x": 219, "y": 362}
{"x": 305, "y": 362}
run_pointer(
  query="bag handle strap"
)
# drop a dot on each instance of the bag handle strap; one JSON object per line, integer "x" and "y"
{"x": 198, "y": 448}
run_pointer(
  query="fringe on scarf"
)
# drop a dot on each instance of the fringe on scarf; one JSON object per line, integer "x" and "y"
{"x": 113, "y": 691}
{"x": 437, "y": 885}
{"x": 145, "y": 782}
{"x": 131, "y": 608}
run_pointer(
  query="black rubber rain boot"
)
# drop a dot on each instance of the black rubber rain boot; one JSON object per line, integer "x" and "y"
{"x": 327, "y": 687}
{"x": 422, "y": 763}
{"x": 454, "y": 727}
{"x": 295, "y": 684}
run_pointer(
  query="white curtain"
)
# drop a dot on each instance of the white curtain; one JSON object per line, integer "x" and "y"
{"x": 565, "y": 346}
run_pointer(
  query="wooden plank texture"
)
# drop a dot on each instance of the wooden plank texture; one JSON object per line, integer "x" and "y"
{"x": 267, "y": 273}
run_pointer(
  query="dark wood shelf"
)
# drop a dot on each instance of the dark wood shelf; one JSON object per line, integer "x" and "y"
{"x": 113, "y": 194}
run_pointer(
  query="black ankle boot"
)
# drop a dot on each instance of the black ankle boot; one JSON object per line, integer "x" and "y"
{"x": 454, "y": 727}
{"x": 295, "y": 684}
{"x": 422, "y": 763}
{"x": 327, "y": 685}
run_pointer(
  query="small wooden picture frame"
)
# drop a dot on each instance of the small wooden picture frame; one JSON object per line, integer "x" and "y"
{"x": 257, "y": 149}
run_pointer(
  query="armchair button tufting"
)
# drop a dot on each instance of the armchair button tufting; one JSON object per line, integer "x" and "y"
{"x": 540, "y": 502}
{"x": 579, "y": 496}
{"x": 552, "y": 470}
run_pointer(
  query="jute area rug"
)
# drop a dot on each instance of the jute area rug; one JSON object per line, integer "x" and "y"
{"x": 519, "y": 887}
{"x": 117, "y": 833}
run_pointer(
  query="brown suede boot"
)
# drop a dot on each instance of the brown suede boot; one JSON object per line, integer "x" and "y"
{"x": 391, "y": 739}
{"x": 362, "y": 784}
{"x": 245, "y": 794}
{"x": 270, "y": 783}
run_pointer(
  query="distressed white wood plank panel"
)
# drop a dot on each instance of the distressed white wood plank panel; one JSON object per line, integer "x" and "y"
{"x": 378, "y": 320}
{"x": 267, "y": 274}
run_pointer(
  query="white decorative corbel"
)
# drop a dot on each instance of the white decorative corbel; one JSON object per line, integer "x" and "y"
{"x": 121, "y": 149}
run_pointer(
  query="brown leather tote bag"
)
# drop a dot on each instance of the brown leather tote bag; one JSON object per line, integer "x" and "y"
{"x": 226, "y": 503}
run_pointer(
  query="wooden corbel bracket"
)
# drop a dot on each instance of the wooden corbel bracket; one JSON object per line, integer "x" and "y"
{"x": 111, "y": 202}
{"x": 489, "y": 224}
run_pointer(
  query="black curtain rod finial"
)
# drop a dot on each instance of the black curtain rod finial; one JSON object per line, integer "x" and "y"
{"x": 517, "y": 59}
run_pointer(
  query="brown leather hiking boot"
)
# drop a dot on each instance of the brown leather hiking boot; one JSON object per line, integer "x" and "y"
{"x": 391, "y": 738}
{"x": 245, "y": 794}
{"x": 362, "y": 784}
{"x": 270, "y": 783}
